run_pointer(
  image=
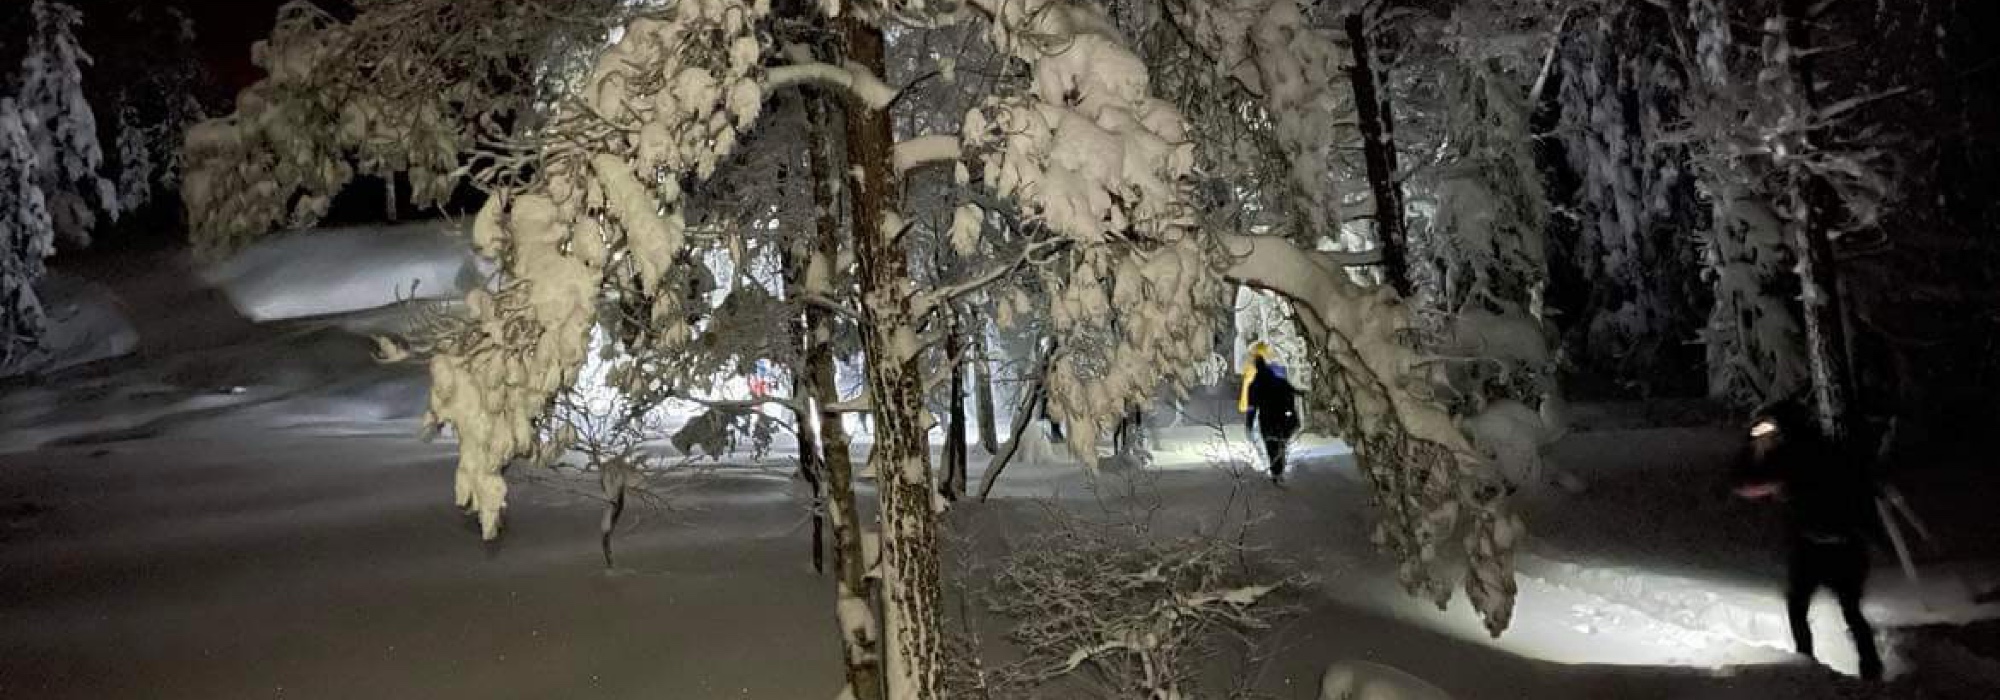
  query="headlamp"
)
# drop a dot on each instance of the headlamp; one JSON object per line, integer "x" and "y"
{"x": 1764, "y": 428}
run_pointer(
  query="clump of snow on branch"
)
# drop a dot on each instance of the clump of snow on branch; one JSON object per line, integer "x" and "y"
{"x": 1096, "y": 159}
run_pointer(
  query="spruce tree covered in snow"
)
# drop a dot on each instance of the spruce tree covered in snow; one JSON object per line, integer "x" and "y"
{"x": 61, "y": 125}
{"x": 1754, "y": 338}
{"x": 27, "y": 237}
{"x": 49, "y": 170}
{"x": 1622, "y": 100}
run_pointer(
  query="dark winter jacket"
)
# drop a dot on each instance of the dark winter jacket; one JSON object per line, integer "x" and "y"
{"x": 1827, "y": 495}
{"x": 1275, "y": 402}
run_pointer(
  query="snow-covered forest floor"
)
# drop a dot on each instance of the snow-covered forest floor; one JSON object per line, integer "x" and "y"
{"x": 242, "y": 509}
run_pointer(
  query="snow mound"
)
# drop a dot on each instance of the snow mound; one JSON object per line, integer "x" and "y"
{"x": 86, "y": 324}
{"x": 1367, "y": 680}
{"x": 332, "y": 271}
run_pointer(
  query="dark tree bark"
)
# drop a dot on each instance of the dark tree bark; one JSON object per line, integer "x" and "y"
{"x": 1379, "y": 150}
{"x": 797, "y": 255}
{"x": 953, "y": 487}
{"x": 912, "y": 627}
{"x": 862, "y": 648}
{"x": 1813, "y": 205}
{"x": 982, "y": 386}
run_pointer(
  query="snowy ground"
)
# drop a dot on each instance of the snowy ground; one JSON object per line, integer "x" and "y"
{"x": 241, "y": 510}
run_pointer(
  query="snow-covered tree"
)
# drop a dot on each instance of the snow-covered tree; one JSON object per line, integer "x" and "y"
{"x": 159, "y": 87}
{"x": 61, "y": 125}
{"x": 1073, "y": 170}
{"x": 50, "y": 184}
{"x": 26, "y": 239}
{"x": 1381, "y": 382}
{"x": 1622, "y": 99}
{"x": 396, "y": 92}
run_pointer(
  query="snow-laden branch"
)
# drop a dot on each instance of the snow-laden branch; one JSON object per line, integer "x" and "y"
{"x": 855, "y": 79}
{"x": 930, "y": 300}
{"x": 911, "y": 154}
{"x": 1273, "y": 254}
{"x": 861, "y": 403}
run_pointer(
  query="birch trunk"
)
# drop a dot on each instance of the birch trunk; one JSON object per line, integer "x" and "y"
{"x": 911, "y": 624}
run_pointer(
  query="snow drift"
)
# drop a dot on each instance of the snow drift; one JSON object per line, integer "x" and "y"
{"x": 331, "y": 271}
{"x": 87, "y": 323}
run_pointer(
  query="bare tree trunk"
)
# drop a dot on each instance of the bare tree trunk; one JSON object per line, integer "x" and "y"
{"x": 911, "y": 625}
{"x": 389, "y": 198}
{"x": 812, "y": 463}
{"x": 1813, "y": 203}
{"x": 954, "y": 439}
{"x": 982, "y": 386}
{"x": 856, "y": 602}
{"x": 1379, "y": 150}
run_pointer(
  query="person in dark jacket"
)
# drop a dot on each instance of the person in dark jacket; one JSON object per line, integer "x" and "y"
{"x": 1272, "y": 411}
{"x": 1829, "y": 513}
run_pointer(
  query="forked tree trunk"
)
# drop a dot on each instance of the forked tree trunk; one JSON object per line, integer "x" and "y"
{"x": 1024, "y": 416}
{"x": 1813, "y": 204}
{"x": 912, "y": 637}
{"x": 1378, "y": 148}
{"x": 857, "y": 601}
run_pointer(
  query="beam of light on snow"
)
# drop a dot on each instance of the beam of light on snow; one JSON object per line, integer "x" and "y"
{"x": 1601, "y": 614}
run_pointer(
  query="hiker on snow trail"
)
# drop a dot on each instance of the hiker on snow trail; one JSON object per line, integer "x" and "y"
{"x": 1829, "y": 511}
{"x": 1269, "y": 397}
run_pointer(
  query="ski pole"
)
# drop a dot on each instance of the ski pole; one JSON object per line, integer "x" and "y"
{"x": 1902, "y": 549}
